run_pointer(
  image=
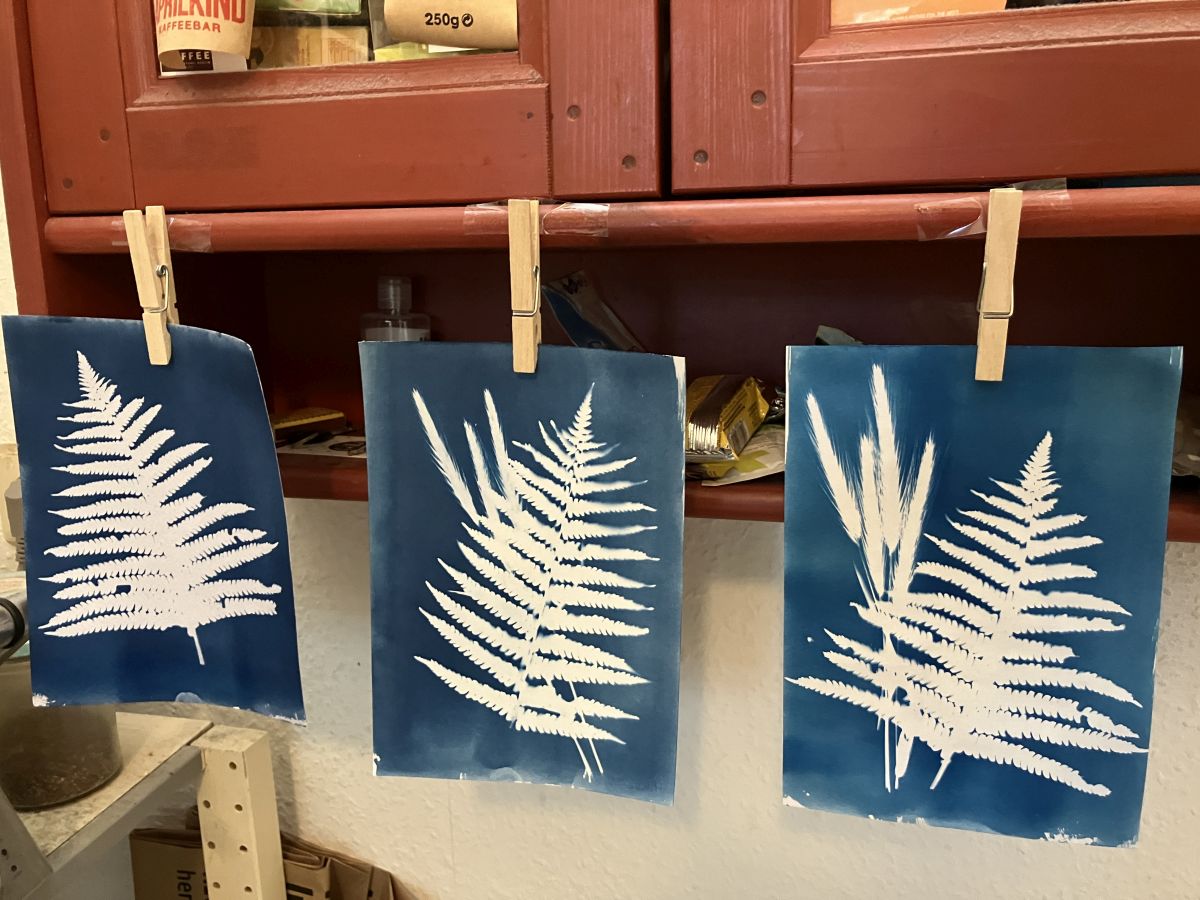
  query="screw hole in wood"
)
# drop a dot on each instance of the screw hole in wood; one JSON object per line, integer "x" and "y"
{"x": 629, "y": 162}
{"x": 758, "y": 98}
{"x": 700, "y": 156}
{"x": 572, "y": 111}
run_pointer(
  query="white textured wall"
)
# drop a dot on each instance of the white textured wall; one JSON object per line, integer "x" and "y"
{"x": 728, "y": 836}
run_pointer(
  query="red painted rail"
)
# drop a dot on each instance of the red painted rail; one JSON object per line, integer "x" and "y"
{"x": 1106, "y": 212}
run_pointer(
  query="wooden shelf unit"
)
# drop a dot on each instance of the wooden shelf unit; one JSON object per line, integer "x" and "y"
{"x": 331, "y": 478}
{"x": 50, "y": 851}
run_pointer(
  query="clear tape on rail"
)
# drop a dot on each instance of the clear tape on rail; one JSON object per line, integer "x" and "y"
{"x": 957, "y": 217}
{"x": 577, "y": 218}
{"x": 186, "y": 234}
{"x": 953, "y": 217}
{"x": 587, "y": 219}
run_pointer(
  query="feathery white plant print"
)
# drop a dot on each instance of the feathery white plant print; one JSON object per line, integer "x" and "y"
{"x": 536, "y": 585}
{"x": 974, "y": 669}
{"x": 881, "y": 506}
{"x": 1011, "y": 657}
{"x": 163, "y": 554}
{"x": 1011, "y": 565}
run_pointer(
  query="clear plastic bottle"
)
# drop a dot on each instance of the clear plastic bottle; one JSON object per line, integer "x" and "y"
{"x": 395, "y": 320}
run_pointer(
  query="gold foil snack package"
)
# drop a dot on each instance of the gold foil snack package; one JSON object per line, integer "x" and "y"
{"x": 723, "y": 412}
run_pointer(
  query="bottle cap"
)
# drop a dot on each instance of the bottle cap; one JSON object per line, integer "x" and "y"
{"x": 395, "y": 293}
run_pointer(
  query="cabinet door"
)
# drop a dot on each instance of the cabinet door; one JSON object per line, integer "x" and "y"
{"x": 574, "y": 112}
{"x": 770, "y": 94}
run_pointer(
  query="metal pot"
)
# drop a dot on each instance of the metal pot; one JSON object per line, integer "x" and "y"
{"x": 47, "y": 755}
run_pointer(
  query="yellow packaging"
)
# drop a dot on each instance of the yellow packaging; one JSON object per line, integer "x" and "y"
{"x": 723, "y": 412}
{"x": 866, "y": 12}
{"x": 310, "y": 418}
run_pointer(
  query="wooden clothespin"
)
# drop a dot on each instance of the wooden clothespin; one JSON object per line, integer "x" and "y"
{"x": 150, "y": 251}
{"x": 996, "y": 289}
{"x": 525, "y": 279}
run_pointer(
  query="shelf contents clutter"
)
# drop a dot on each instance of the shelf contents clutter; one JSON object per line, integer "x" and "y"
{"x": 585, "y": 318}
{"x": 235, "y": 36}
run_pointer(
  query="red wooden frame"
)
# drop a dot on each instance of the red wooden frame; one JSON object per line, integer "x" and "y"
{"x": 379, "y": 134}
{"x": 38, "y": 272}
{"x": 1081, "y": 90}
{"x": 731, "y": 94}
{"x": 21, "y": 160}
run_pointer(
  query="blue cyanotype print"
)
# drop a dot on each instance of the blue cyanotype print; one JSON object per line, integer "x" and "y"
{"x": 526, "y": 544}
{"x": 156, "y": 543}
{"x": 973, "y": 581}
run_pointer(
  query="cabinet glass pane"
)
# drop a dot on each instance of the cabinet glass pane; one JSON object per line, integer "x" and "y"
{"x": 197, "y": 36}
{"x": 861, "y": 12}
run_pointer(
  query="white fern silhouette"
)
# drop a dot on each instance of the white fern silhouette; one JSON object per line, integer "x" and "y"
{"x": 534, "y": 585}
{"x": 162, "y": 556}
{"x": 983, "y": 650}
{"x": 882, "y": 509}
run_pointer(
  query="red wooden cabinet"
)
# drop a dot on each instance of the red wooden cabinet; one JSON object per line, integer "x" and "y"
{"x": 767, "y": 94}
{"x": 575, "y": 112}
{"x": 269, "y": 178}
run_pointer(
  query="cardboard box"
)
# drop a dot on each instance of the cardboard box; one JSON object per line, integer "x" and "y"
{"x": 169, "y": 865}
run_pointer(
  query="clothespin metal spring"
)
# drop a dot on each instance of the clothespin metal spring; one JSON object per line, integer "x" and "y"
{"x": 537, "y": 297}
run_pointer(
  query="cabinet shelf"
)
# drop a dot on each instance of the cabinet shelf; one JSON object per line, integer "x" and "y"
{"x": 330, "y": 478}
{"x": 1099, "y": 212}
